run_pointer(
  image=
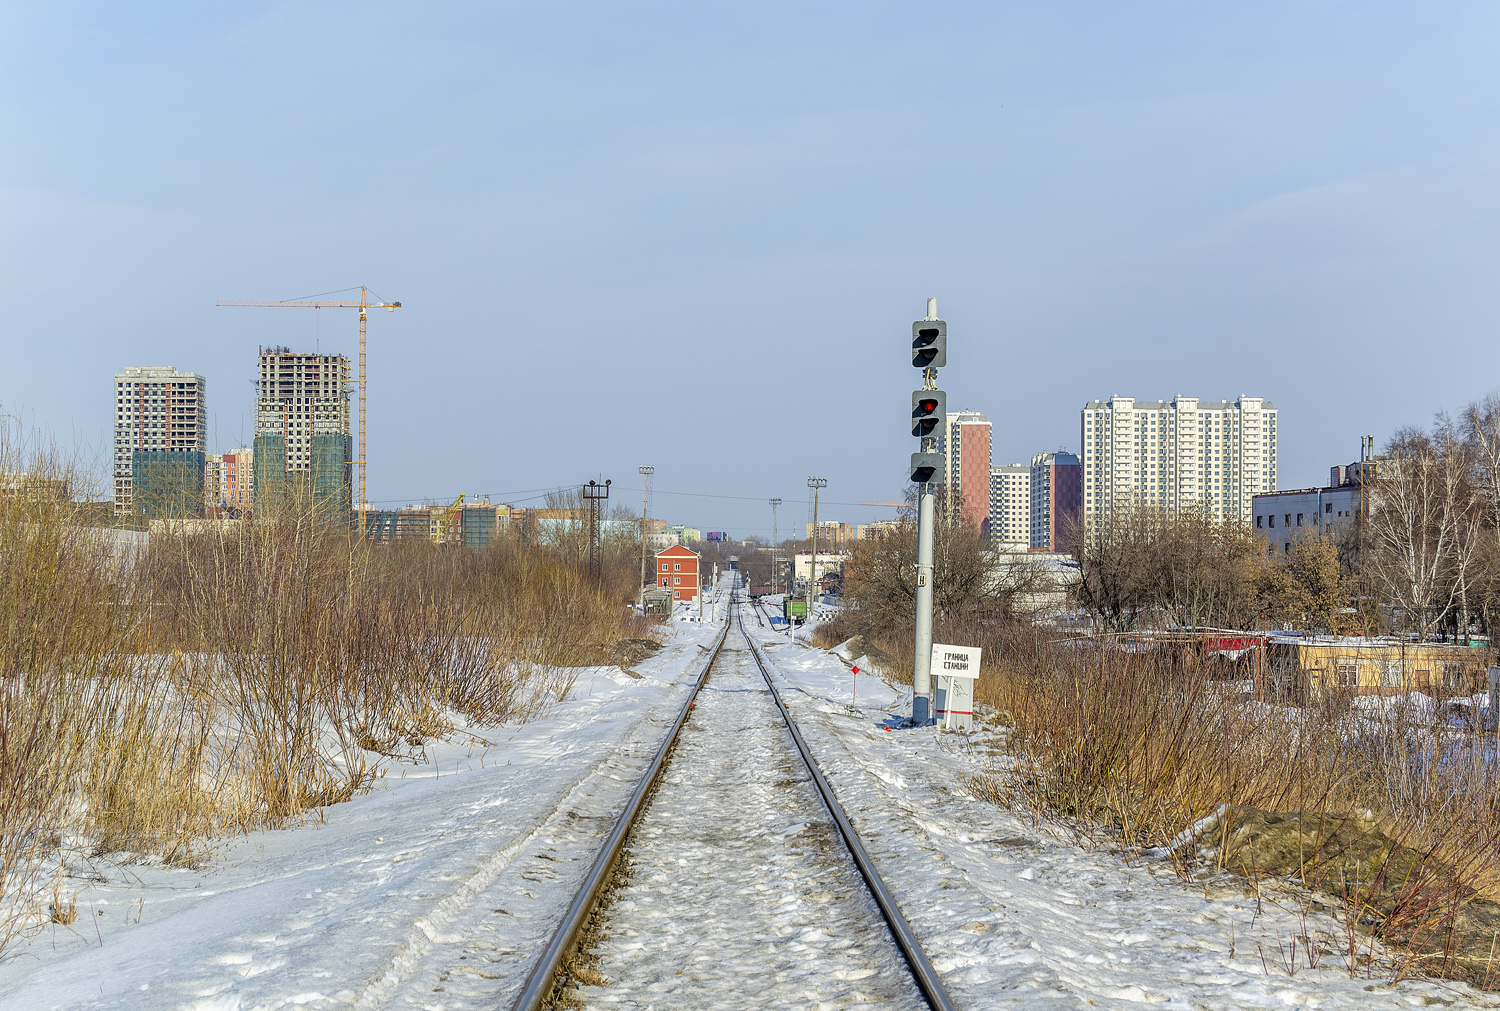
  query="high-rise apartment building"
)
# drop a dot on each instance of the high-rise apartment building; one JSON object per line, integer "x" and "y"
{"x": 161, "y": 437}
{"x": 966, "y": 444}
{"x": 302, "y": 447}
{"x": 1010, "y": 504}
{"x": 1177, "y": 455}
{"x": 1056, "y": 499}
{"x": 833, "y": 535}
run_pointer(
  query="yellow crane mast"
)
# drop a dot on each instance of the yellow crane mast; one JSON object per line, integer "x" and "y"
{"x": 450, "y": 529}
{"x": 363, "y": 305}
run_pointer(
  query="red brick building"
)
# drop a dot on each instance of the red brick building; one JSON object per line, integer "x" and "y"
{"x": 967, "y": 447}
{"x": 677, "y": 570}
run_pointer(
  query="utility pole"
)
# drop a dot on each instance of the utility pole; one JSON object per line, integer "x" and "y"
{"x": 929, "y": 351}
{"x": 816, "y": 484}
{"x": 774, "y": 503}
{"x": 646, "y": 473}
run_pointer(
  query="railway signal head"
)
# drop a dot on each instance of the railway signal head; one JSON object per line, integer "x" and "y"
{"x": 927, "y": 468}
{"x": 929, "y": 344}
{"x": 929, "y": 409}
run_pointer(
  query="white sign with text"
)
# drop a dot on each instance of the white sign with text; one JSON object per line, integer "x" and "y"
{"x": 955, "y": 668}
{"x": 962, "y": 661}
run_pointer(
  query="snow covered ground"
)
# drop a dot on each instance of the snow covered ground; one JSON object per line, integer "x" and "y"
{"x": 437, "y": 889}
{"x": 431, "y": 891}
{"x": 1016, "y": 917}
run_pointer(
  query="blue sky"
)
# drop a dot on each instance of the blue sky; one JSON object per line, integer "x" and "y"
{"x": 695, "y": 235}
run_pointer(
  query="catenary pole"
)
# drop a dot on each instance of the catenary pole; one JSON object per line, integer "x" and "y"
{"x": 774, "y": 581}
{"x": 816, "y": 484}
{"x": 645, "y": 472}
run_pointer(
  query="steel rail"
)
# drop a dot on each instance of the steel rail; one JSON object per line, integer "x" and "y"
{"x": 538, "y": 990}
{"x": 921, "y": 969}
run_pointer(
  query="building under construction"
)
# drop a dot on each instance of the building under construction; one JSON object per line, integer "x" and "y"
{"x": 161, "y": 436}
{"x": 302, "y": 454}
{"x": 473, "y": 525}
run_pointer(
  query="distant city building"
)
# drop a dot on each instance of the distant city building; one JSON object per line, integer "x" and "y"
{"x": 833, "y": 535}
{"x": 475, "y": 524}
{"x": 1010, "y": 505}
{"x": 1176, "y": 455}
{"x": 161, "y": 422}
{"x": 1285, "y": 517}
{"x": 677, "y": 570}
{"x": 966, "y": 444}
{"x": 686, "y": 535}
{"x": 213, "y": 467}
{"x": 302, "y": 446}
{"x": 1056, "y": 499}
{"x": 237, "y": 479}
{"x": 662, "y": 540}
{"x": 876, "y": 528}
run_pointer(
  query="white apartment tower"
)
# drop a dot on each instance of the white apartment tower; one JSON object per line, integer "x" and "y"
{"x": 1176, "y": 455}
{"x": 157, "y": 409}
{"x": 1010, "y": 505}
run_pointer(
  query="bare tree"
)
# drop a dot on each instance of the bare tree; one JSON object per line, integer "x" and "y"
{"x": 1184, "y": 567}
{"x": 1425, "y": 525}
{"x": 880, "y": 576}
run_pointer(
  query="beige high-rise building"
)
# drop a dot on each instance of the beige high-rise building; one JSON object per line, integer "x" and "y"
{"x": 162, "y": 413}
{"x": 1176, "y": 455}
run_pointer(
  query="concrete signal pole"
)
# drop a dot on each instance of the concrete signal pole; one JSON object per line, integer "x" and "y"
{"x": 646, "y": 473}
{"x": 774, "y": 503}
{"x": 816, "y": 484}
{"x": 929, "y": 351}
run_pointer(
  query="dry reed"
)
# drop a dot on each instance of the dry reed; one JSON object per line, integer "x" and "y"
{"x": 157, "y": 696}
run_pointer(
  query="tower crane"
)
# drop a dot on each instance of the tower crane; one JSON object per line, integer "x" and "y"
{"x": 363, "y": 305}
{"x": 450, "y": 534}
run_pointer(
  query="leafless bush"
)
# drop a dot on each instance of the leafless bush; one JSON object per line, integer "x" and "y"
{"x": 1136, "y": 749}
{"x": 153, "y": 700}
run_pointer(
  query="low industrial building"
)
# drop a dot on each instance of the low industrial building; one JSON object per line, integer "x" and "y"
{"x": 1285, "y": 517}
{"x": 1311, "y": 667}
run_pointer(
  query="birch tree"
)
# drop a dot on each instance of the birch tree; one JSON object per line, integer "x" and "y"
{"x": 1425, "y": 524}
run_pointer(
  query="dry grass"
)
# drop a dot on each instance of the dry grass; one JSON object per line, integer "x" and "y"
{"x": 1395, "y": 819}
{"x": 1393, "y": 823}
{"x": 154, "y": 700}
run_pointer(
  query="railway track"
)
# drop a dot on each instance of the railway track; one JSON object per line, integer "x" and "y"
{"x": 744, "y": 881}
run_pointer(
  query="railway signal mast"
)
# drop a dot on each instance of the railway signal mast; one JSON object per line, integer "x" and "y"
{"x": 929, "y": 411}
